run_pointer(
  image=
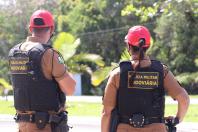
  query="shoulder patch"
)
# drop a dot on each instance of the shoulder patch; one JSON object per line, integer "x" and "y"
{"x": 60, "y": 60}
{"x": 166, "y": 69}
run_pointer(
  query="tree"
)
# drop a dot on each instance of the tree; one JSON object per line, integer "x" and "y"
{"x": 96, "y": 24}
{"x": 4, "y": 86}
{"x": 85, "y": 63}
{"x": 14, "y": 19}
{"x": 176, "y": 37}
{"x": 101, "y": 26}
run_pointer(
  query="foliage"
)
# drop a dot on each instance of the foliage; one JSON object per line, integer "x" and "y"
{"x": 77, "y": 63}
{"x": 176, "y": 37}
{"x": 189, "y": 81}
{"x": 97, "y": 77}
{"x": 96, "y": 18}
{"x": 145, "y": 10}
{"x": 4, "y": 68}
{"x": 125, "y": 55}
{"x": 65, "y": 43}
{"x": 4, "y": 83}
{"x": 4, "y": 86}
{"x": 14, "y": 19}
{"x": 100, "y": 27}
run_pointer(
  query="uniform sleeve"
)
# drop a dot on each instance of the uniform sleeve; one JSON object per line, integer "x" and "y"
{"x": 166, "y": 70}
{"x": 58, "y": 66}
{"x": 111, "y": 89}
{"x": 172, "y": 86}
{"x": 53, "y": 65}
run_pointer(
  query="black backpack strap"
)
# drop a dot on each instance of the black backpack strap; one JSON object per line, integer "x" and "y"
{"x": 158, "y": 66}
{"x": 125, "y": 66}
{"x": 14, "y": 50}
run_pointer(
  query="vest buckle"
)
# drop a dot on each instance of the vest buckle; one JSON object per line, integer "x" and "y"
{"x": 31, "y": 118}
{"x": 16, "y": 117}
{"x": 137, "y": 120}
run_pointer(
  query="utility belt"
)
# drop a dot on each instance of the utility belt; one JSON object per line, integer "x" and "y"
{"x": 42, "y": 118}
{"x": 139, "y": 120}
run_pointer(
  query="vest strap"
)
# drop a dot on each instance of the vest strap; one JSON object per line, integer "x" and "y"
{"x": 56, "y": 118}
{"x": 146, "y": 120}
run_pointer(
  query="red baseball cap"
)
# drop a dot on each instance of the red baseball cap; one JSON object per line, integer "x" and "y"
{"x": 41, "y": 19}
{"x": 135, "y": 34}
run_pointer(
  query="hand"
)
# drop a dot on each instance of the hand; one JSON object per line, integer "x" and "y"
{"x": 172, "y": 120}
{"x": 169, "y": 118}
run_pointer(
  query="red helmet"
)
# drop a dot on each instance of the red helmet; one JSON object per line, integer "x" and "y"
{"x": 135, "y": 34}
{"x": 40, "y": 19}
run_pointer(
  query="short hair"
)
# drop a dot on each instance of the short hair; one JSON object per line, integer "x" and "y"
{"x": 40, "y": 30}
{"x": 137, "y": 49}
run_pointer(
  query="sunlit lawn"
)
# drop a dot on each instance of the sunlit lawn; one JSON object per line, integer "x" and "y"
{"x": 94, "y": 109}
{"x": 192, "y": 115}
{"x": 194, "y": 96}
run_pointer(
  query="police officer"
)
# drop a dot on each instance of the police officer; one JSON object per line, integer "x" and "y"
{"x": 137, "y": 88}
{"x": 40, "y": 79}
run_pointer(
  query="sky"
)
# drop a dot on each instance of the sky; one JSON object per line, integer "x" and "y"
{"x": 7, "y": 2}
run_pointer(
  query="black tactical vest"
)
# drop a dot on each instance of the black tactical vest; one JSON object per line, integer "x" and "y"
{"x": 32, "y": 91}
{"x": 141, "y": 92}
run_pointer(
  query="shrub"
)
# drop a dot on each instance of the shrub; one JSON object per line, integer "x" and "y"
{"x": 189, "y": 81}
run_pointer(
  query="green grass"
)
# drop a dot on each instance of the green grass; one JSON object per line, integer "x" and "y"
{"x": 94, "y": 109}
{"x": 194, "y": 96}
{"x": 6, "y": 107}
{"x": 84, "y": 109}
{"x": 74, "y": 108}
{"x": 191, "y": 116}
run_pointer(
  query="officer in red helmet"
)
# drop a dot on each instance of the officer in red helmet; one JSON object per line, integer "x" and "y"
{"x": 134, "y": 95}
{"x": 40, "y": 79}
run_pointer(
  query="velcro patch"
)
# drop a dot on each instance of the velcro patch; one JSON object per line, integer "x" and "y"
{"x": 18, "y": 65}
{"x": 60, "y": 60}
{"x": 143, "y": 80}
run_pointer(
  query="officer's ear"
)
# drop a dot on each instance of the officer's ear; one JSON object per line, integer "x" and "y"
{"x": 51, "y": 30}
{"x": 30, "y": 29}
{"x": 129, "y": 48}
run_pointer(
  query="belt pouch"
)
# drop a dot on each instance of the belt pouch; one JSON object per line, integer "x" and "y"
{"x": 41, "y": 119}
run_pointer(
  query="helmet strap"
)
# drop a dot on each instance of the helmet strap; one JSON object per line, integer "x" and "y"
{"x": 51, "y": 36}
{"x": 141, "y": 53}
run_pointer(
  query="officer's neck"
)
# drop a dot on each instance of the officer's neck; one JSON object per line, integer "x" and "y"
{"x": 145, "y": 62}
{"x": 135, "y": 57}
{"x": 41, "y": 38}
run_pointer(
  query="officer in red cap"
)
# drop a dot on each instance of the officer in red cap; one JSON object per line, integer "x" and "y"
{"x": 134, "y": 95}
{"x": 40, "y": 79}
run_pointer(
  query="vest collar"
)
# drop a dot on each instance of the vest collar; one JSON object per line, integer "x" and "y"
{"x": 35, "y": 39}
{"x": 146, "y": 62}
